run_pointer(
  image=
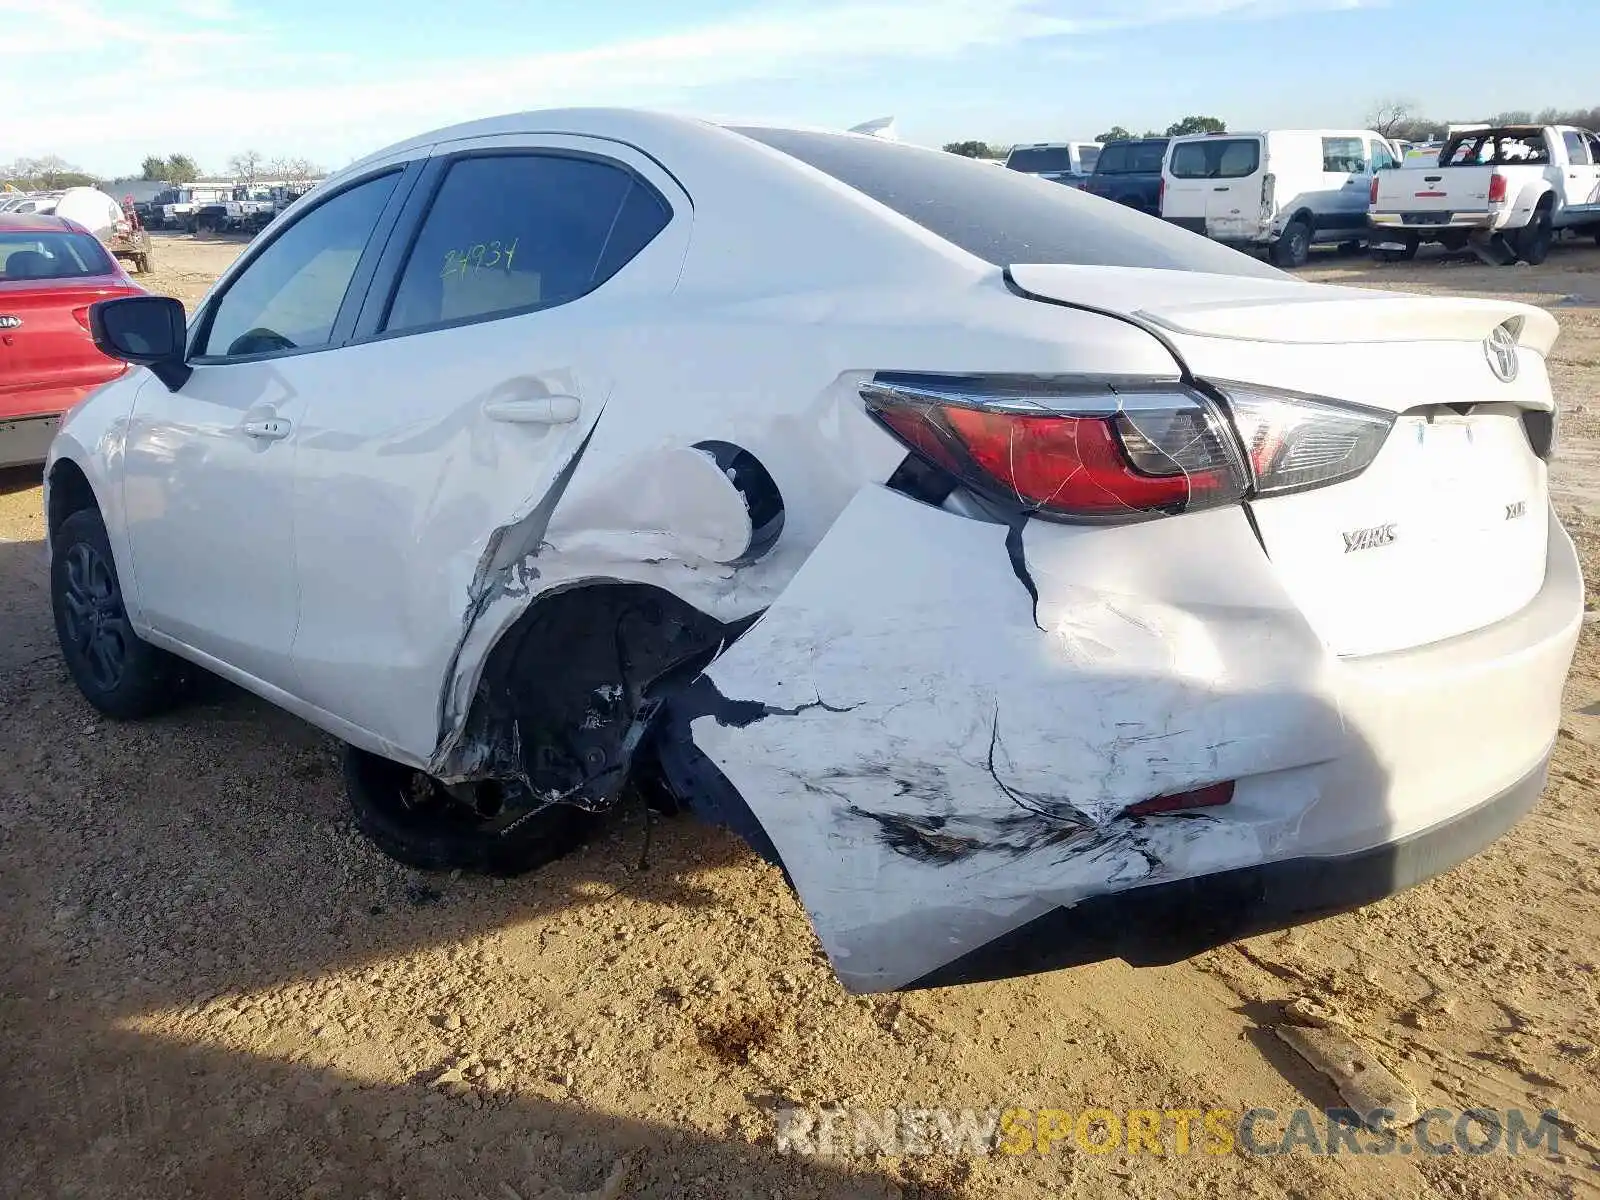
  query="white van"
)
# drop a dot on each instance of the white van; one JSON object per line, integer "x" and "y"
{"x": 1284, "y": 190}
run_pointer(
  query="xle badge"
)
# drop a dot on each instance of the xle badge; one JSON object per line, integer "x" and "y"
{"x": 1513, "y": 511}
{"x": 1366, "y": 539}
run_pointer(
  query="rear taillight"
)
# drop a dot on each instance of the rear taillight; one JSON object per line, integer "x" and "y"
{"x": 1372, "y": 192}
{"x": 1497, "y": 189}
{"x": 1295, "y": 442}
{"x": 1066, "y": 448}
{"x": 1074, "y": 449}
{"x": 81, "y": 316}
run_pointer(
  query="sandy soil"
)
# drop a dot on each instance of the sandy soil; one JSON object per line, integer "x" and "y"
{"x": 212, "y": 986}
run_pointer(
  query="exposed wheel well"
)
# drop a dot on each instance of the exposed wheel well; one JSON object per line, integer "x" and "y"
{"x": 1304, "y": 217}
{"x": 69, "y": 492}
{"x": 570, "y": 691}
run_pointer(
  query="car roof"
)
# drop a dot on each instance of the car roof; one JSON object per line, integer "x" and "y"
{"x": 37, "y": 223}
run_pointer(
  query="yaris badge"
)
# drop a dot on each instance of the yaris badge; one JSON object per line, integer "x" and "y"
{"x": 1500, "y": 348}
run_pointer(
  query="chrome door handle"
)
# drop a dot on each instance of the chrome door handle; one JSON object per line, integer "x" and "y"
{"x": 540, "y": 410}
{"x": 269, "y": 429}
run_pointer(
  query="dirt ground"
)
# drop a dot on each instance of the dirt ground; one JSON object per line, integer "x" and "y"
{"x": 212, "y": 986}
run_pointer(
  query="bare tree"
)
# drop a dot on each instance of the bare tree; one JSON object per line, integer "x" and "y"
{"x": 246, "y": 167}
{"x": 1388, "y": 117}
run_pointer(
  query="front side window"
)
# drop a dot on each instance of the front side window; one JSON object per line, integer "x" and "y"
{"x": 288, "y": 296}
{"x": 1577, "y": 149}
{"x": 517, "y": 232}
{"x": 1344, "y": 155}
{"x": 1216, "y": 158}
{"x": 1088, "y": 156}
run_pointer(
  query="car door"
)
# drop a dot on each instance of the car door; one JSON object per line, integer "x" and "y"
{"x": 479, "y": 370}
{"x": 209, "y": 468}
{"x": 1580, "y": 187}
{"x": 1346, "y": 186}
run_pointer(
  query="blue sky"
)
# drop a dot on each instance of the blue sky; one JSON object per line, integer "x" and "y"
{"x": 104, "y": 82}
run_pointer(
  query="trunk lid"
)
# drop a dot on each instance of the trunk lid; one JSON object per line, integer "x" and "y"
{"x": 1444, "y": 531}
{"x": 45, "y": 347}
{"x": 1428, "y": 190}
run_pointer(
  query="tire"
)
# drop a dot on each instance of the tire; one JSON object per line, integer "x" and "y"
{"x": 1455, "y": 243}
{"x": 1532, "y": 242}
{"x": 143, "y": 263}
{"x": 416, "y": 820}
{"x": 120, "y": 674}
{"x": 1293, "y": 246}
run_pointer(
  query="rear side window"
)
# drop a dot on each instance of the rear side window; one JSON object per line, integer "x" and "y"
{"x": 1088, "y": 156}
{"x": 1344, "y": 155}
{"x": 1216, "y": 158}
{"x": 513, "y": 233}
{"x": 1116, "y": 159}
{"x": 288, "y": 296}
{"x": 1040, "y": 160}
{"x": 41, "y": 254}
{"x": 1004, "y": 217}
{"x": 1577, "y": 148}
{"x": 1382, "y": 157}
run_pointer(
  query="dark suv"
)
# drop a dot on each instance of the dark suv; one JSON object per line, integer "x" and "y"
{"x": 1130, "y": 173}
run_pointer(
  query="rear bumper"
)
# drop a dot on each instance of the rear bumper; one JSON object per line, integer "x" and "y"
{"x": 1408, "y": 223}
{"x": 33, "y": 403}
{"x": 27, "y": 441}
{"x": 939, "y": 726}
{"x": 1169, "y": 922}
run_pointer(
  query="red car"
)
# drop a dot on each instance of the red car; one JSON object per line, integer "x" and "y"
{"x": 51, "y": 271}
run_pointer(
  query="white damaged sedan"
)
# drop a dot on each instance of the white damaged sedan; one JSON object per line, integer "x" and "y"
{"x": 1034, "y": 581}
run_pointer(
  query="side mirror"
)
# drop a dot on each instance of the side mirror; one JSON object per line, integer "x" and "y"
{"x": 148, "y": 331}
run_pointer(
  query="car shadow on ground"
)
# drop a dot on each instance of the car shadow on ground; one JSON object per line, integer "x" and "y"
{"x": 159, "y": 875}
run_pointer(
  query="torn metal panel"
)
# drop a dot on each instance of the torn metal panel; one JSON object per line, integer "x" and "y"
{"x": 934, "y": 770}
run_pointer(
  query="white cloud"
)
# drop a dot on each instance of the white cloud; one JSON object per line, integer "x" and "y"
{"x": 201, "y": 73}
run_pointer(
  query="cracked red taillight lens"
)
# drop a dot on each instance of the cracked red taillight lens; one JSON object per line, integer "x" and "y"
{"x": 1065, "y": 448}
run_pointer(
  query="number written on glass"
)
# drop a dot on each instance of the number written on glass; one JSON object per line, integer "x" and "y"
{"x": 484, "y": 256}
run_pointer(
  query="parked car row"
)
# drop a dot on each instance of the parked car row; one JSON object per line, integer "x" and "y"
{"x": 1504, "y": 191}
{"x": 221, "y": 209}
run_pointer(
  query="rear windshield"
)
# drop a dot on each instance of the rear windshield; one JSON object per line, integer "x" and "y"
{"x": 42, "y": 254}
{"x": 1216, "y": 158}
{"x": 1502, "y": 146}
{"x": 1131, "y": 158}
{"x": 1004, "y": 217}
{"x": 1040, "y": 160}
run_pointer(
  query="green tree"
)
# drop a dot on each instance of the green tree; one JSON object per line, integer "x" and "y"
{"x": 1196, "y": 125}
{"x": 153, "y": 167}
{"x": 1115, "y": 134}
{"x": 181, "y": 169}
{"x": 970, "y": 149}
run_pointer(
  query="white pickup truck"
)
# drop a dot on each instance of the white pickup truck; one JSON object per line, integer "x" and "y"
{"x": 1503, "y": 190}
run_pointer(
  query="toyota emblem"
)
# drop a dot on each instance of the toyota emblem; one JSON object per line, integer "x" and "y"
{"x": 1500, "y": 348}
